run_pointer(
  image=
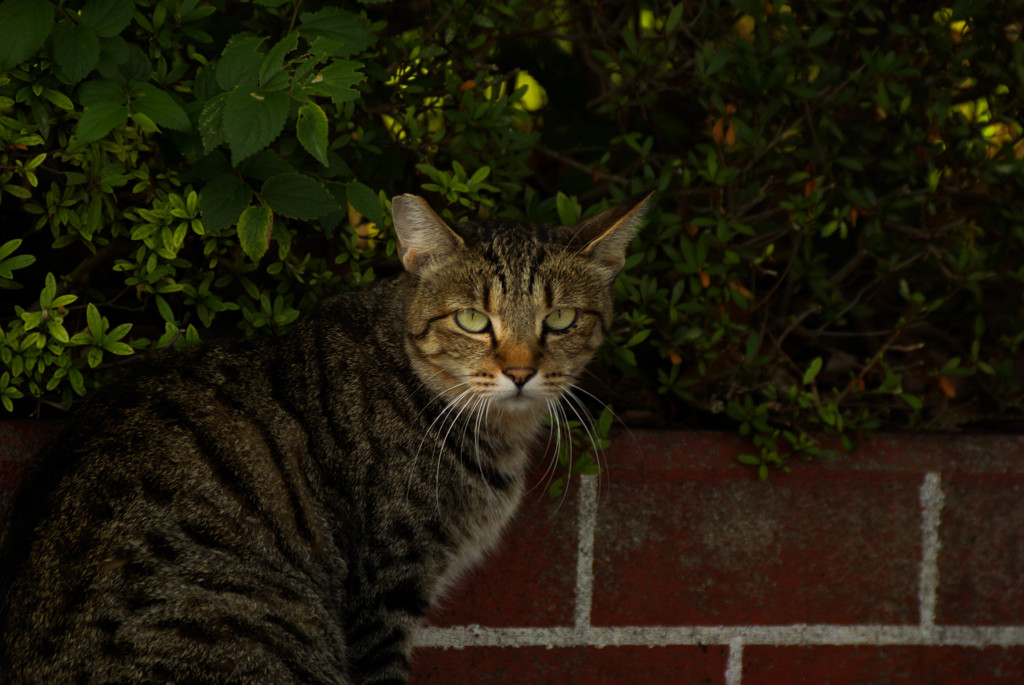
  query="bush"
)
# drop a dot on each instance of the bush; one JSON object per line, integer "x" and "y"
{"x": 837, "y": 247}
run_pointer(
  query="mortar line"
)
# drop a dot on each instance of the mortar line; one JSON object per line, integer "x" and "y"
{"x": 585, "y": 554}
{"x": 461, "y": 637}
{"x": 932, "y": 500}
{"x": 734, "y": 667}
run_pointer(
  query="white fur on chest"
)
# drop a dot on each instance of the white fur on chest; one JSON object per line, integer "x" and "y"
{"x": 482, "y": 532}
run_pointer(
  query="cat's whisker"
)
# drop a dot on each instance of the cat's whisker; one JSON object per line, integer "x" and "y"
{"x": 570, "y": 445}
{"x": 551, "y": 467}
{"x": 440, "y": 417}
{"x": 448, "y": 416}
{"x": 586, "y": 423}
{"x": 486, "y": 402}
{"x": 424, "y": 384}
{"x": 618, "y": 419}
{"x": 452, "y": 420}
{"x": 583, "y": 415}
{"x": 598, "y": 453}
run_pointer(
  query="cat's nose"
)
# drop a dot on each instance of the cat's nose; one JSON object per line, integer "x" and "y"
{"x": 519, "y": 374}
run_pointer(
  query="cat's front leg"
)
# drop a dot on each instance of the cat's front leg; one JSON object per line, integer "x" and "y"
{"x": 380, "y": 638}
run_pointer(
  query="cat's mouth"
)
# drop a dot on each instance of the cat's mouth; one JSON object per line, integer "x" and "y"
{"x": 519, "y": 403}
{"x": 528, "y": 395}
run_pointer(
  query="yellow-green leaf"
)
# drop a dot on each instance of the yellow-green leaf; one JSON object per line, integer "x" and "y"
{"x": 312, "y": 131}
{"x": 254, "y": 227}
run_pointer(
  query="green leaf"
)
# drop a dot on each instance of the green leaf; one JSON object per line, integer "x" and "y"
{"x": 604, "y": 422}
{"x": 638, "y": 337}
{"x": 113, "y": 53}
{"x": 62, "y": 301}
{"x": 144, "y": 122}
{"x": 119, "y": 332}
{"x": 100, "y": 91}
{"x": 211, "y": 122}
{"x": 9, "y": 264}
{"x": 77, "y": 49}
{"x": 913, "y": 400}
{"x": 120, "y": 348}
{"x": 160, "y": 107}
{"x": 9, "y": 247}
{"x": 337, "y": 81}
{"x": 239, "y": 64}
{"x": 254, "y": 229}
{"x": 59, "y": 99}
{"x": 57, "y": 332}
{"x": 721, "y": 58}
{"x": 557, "y": 487}
{"x": 821, "y": 35}
{"x": 812, "y": 371}
{"x": 222, "y": 200}
{"x": 753, "y": 343}
{"x": 17, "y": 191}
{"x": 24, "y": 27}
{"x": 95, "y": 321}
{"x": 297, "y": 196}
{"x": 341, "y": 33}
{"x": 49, "y": 291}
{"x": 674, "y": 17}
{"x": 162, "y": 306}
{"x": 274, "y": 61}
{"x": 107, "y": 17}
{"x": 568, "y": 209}
{"x": 480, "y": 175}
{"x": 100, "y": 119}
{"x": 365, "y": 201}
{"x": 265, "y": 164}
{"x": 252, "y": 120}
{"x": 311, "y": 129}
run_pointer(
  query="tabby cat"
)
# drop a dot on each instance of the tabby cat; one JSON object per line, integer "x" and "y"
{"x": 285, "y": 511}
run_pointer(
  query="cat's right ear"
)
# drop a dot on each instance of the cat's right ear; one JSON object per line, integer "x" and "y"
{"x": 423, "y": 236}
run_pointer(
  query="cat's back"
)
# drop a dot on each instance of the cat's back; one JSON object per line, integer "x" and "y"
{"x": 187, "y": 485}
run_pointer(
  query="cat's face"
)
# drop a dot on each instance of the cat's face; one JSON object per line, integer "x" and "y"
{"x": 505, "y": 316}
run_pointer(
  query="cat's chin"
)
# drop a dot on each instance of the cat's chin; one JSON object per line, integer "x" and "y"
{"x": 521, "y": 404}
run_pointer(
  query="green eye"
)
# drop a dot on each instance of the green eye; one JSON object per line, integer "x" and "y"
{"x": 472, "y": 321}
{"x": 560, "y": 319}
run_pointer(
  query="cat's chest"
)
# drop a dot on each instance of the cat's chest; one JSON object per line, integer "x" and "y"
{"x": 481, "y": 531}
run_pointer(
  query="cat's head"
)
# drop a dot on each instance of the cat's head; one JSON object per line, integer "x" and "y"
{"x": 505, "y": 315}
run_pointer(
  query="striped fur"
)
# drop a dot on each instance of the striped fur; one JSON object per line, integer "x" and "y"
{"x": 286, "y": 510}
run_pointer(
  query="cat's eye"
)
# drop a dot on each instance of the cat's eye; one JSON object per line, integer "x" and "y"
{"x": 472, "y": 321}
{"x": 560, "y": 319}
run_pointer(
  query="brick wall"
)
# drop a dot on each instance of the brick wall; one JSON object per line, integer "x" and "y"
{"x": 901, "y": 563}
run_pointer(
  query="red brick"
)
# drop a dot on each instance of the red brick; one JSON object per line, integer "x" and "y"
{"x": 857, "y": 665}
{"x": 936, "y": 452}
{"x": 719, "y": 547}
{"x": 530, "y": 580}
{"x": 653, "y": 450}
{"x": 981, "y": 560}
{"x": 579, "y": 666}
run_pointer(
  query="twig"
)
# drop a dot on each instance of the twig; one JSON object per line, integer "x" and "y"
{"x": 569, "y": 161}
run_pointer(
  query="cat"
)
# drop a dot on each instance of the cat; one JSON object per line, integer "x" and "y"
{"x": 286, "y": 510}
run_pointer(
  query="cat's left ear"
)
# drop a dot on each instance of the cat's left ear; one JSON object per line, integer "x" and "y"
{"x": 606, "y": 237}
{"x": 423, "y": 236}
